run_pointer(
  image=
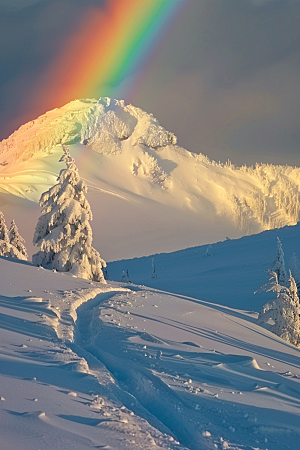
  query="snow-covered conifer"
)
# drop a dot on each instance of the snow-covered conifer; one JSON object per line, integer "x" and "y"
{"x": 3, "y": 229}
{"x": 63, "y": 231}
{"x": 105, "y": 273}
{"x": 16, "y": 239}
{"x": 278, "y": 265}
{"x": 208, "y": 250}
{"x": 6, "y": 249}
{"x": 295, "y": 270}
{"x": 125, "y": 277}
{"x": 284, "y": 310}
{"x": 154, "y": 274}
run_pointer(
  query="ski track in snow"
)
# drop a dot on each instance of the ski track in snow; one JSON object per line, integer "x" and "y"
{"x": 53, "y": 393}
{"x": 170, "y": 396}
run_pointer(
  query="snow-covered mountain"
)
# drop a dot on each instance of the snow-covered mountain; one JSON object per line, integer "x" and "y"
{"x": 147, "y": 194}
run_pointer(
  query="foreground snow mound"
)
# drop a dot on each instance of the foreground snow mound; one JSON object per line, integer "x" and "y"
{"x": 85, "y": 365}
{"x": 133, "y": 166}
{"x": 53, "y": 394}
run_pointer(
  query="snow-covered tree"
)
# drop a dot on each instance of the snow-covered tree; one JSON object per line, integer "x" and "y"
{"x": 6, "y": 248}
{"x": 284, "y": 310}
{"x": 208, "y": 250}
{"x": 105, "y": 273}
{"x": 125, "y": 277}
{"x": 63, "y": 231}
{"x": 16, "y": 239}
{"x": 154, "y": 274}
{"x": 3, "y": 229}
{"x": 278, "y": 265}
{"x": 295, "y": 270}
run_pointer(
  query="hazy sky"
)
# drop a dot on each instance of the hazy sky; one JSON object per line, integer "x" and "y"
{"x": 225, "y": 77}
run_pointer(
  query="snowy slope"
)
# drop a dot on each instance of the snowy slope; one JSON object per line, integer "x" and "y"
{"x": 84, "y": 365}
{"x": 229, "y": 276}
{"x": 147, "y": 194}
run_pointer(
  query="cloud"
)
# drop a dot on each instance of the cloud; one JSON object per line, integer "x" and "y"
{"x": 18, "y": 4}
{"x": 261, "y": 2}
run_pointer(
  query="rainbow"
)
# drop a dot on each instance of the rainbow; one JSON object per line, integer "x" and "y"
{"x": 110, "y": 47}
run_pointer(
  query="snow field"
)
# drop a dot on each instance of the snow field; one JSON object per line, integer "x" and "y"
{"x": 126, "y": 366}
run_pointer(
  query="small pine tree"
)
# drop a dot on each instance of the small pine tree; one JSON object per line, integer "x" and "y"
{"x": 125, "y": 277}
{"x": 63, "y": 231}
{"x": 278, "y": 265}
{"x": 3, "y": 229}
{"x": 6, "y": 248}
{"x": 208, "y": 250}
{"x": 294, "y": 265}
{"x": 16, "y": 240}
{"x": 154, "y": 274}
{"x": 284, "y": 311}
{"x": 105, "y": 273}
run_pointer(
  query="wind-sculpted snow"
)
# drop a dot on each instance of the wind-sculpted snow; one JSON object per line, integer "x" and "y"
{"x": 280, "y": 184}
{"x": 148, "y": 167}
{"x": 130, "y": 161}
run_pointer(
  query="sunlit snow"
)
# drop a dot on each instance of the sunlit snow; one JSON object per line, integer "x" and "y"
{"x": 147, "y": 194}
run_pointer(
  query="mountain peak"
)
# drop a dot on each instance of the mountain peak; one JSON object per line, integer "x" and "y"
{"x": 100, "y": 124}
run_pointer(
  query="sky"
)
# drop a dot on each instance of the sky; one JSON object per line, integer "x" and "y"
{"x": 224, "y": 76}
